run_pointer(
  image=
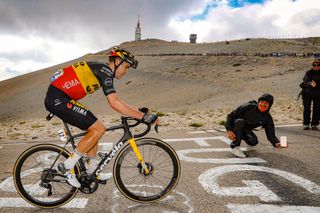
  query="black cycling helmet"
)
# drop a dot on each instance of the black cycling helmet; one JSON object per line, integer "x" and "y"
{"x": 124, "y": 55}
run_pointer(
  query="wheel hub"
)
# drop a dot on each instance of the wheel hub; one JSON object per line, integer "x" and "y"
{"x": 143, "y": 171}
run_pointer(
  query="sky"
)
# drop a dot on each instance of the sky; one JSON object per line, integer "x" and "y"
{"x": 35, "y": 34}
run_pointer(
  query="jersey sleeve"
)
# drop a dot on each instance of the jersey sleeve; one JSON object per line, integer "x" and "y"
{"x": 104, "y": 75}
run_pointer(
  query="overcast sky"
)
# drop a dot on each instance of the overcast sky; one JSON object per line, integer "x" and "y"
{"x": 36, "y": 34}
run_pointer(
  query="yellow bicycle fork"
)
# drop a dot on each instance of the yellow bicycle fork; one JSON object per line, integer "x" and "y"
{"x": 138, "y": 154}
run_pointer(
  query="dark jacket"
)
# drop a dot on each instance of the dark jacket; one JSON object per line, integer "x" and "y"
{"x": 306, "y": 84}
{"x": 254, "y": 118}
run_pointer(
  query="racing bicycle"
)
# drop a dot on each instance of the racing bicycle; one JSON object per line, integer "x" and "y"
{"x": 144, "y": 170}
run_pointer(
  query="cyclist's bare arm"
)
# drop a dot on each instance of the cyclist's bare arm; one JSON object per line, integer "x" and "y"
{"x": 118, "y": 105}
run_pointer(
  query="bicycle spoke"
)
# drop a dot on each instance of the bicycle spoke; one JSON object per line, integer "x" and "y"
{"x": 154, "y": 155}
{"x": 33, "y": 177}
{"x": 164, "y": 172}
{"x": 158, "y": 164}
{"x": 130, "y": 163}
{"x": 133, "y": 177}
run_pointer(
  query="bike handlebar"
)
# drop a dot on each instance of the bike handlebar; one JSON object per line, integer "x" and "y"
{"x": 138, "y": 122}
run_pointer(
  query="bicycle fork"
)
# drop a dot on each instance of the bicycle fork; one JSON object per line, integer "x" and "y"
{"x": 139, "y": 156}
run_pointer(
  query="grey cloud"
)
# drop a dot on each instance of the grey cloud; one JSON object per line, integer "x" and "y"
{"x": 98, "y": 21}
{"x": 10, "y": 72}
{"x": 26, "y": 55}
{"x": 309, "y": 18}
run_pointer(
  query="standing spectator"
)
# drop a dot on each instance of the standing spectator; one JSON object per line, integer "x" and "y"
{"x": 311, "y": 94}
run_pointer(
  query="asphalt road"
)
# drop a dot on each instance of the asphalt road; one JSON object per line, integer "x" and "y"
{"x": 212, "y": 179}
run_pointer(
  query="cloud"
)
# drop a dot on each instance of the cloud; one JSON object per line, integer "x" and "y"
{"x": 220, "y": 20}
{"x": 35, "y": 34}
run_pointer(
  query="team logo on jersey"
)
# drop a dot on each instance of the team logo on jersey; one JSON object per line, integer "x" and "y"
{"x": 92, "y": 88}
{"x": 108, "y": 82}
{"x": 79, "y": 110}
{"x": 70, "y": 84}
{"x": 56, "y": 75}
{"x": 69, "y": 105}
{"x": 57, "y": 102}
{"x": 78, "y": 104}
{"x": 106, "y": 71}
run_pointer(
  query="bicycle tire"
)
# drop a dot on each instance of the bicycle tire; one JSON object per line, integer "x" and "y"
{"x": 120, "y": 178}
{"x": 28, "y": 191}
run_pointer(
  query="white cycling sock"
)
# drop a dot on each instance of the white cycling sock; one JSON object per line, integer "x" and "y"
{"x": 72, "y": 160}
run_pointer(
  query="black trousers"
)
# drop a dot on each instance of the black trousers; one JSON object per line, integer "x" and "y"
{"x": 243, "y": 134}
{"x": 307, "y": 100}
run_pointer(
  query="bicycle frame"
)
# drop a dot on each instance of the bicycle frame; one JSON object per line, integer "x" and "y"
{"x": 107, "y": 157}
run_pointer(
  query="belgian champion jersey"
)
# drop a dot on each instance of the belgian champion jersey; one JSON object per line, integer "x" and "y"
{"x": 84, "y": 78}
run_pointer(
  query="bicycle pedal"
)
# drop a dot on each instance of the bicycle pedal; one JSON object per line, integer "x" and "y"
{"x": 104, "y": 182}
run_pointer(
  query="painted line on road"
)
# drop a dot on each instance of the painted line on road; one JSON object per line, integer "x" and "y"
{"x": 267, "y": 208}
{"x": 183, "y": 156}
{"x": 224, "y": 130}
{"x": 202, "y": 131}
{"x": 288, "y": 125}
{"x": 209, "y": 181}
{"x": 21, "y": 203}
{"x": 201, "y": 141}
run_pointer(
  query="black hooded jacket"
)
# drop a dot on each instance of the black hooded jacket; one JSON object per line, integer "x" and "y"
{"x": 254, "y": 118}
{"x": 306, "y": 84}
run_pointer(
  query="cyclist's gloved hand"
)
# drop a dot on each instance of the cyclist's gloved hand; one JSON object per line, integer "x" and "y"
{"x": 145, "y": 110}
{"x": 149, "y": 118}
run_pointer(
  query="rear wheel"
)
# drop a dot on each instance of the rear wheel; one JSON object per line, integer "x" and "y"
{"x": 37, "y": 178}
{"x": 163, "y": 164}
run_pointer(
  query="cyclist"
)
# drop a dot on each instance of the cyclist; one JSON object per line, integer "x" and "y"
{"x": 247, "y": 117}
{"x": 72, "y": 83}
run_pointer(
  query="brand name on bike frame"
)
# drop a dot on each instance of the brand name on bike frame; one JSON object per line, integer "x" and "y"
{"x": 114, "y": 150}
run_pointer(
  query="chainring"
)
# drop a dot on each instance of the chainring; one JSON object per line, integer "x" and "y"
{"x": 89, "y": 183}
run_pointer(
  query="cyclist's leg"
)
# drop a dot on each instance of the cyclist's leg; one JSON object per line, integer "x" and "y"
{"x": 77, "y": 115}
{"x": 89, "y": 143}
{"x": 92, "y": 149}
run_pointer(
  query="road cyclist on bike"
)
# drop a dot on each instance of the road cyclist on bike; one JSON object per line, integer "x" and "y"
{"x": 73, "y": 83}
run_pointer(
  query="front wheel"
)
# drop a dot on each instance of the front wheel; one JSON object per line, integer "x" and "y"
{"x": 37, "y": 178}
{"x": 163, "y": 164}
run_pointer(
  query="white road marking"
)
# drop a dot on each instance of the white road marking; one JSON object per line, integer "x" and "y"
{"x": 266, "y": 208}
{"x": 288, "y": 125}
{"x": 202, "y": 131}
{"x": 224, "y": 130}
{"x": 201, "y": 141}
{"x": 21, "y": 203}
{"x": 172, "y": 196}
{"x": 209, "y": 181}
{"x": 183, "y": 156}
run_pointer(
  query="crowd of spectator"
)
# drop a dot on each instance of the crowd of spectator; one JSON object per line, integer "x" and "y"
{"x": 271, "y": 54}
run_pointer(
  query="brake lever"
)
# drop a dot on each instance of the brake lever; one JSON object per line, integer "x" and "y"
{"x": 156, "y": 128}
